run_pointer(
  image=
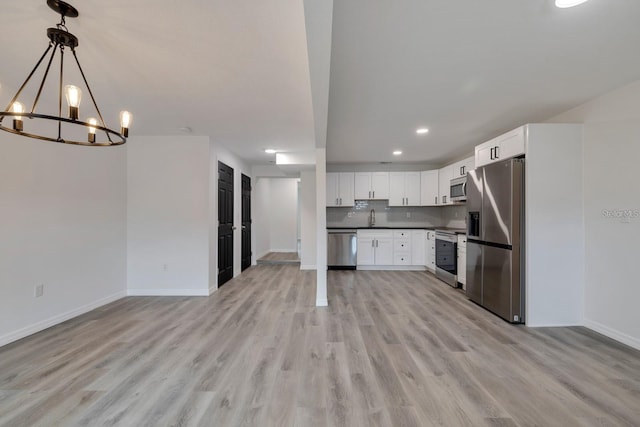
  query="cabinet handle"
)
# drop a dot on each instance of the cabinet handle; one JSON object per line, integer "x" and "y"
{"x": 461, "y": 170}
{"x": 497, "y": 153}
{"x": 374, "y": 194}
{"x": 336, "y": 201}
{"x": 369, "y": 194}
{"x": 373, "y": 243}
{"x": 444, "y": 199}
{"x": 491, "y": 151}
{"x": 376, "y": 243}
{"x": 436, "y": 200}
{"x": 340, "y": 201}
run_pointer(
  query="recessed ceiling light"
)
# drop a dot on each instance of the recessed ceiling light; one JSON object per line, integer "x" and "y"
{"x": 568, "y": 3}
{"x": 422, "y": 131}
{"x": 270, "y": 151}
{"x": 397, "y": 153}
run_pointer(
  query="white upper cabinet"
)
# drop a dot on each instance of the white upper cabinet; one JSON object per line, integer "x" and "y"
{"x": 445, "y": 175}
{"x": 429, "y": 190}
{"x": 371, "y": 185}
{"x": 404, "y": 189}
{"x": 340, "y": 189}
{"x": 511, "y": 144}
{"x": 461, "y": 168}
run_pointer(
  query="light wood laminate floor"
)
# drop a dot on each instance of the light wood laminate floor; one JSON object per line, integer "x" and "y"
{"x": 280, "y": 258}
{"x": 393, "y": 348}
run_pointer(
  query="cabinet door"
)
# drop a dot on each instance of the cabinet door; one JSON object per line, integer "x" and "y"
{"x": 511, "y": 144}
{"x": 384, "y": 251}
{"x": 444, "y": 183}
{"x": 380, "y": 185}
{"x": 469, "y": 164}
{"x": 346, "y": 189}
{"x": 362, "y": 186}
{"x": 431, "y": 250}
{"x": 365, "y": 255}
{"x": 462, "y": 259}
{"x": 484, "y": 153}
{"x": 396, "y": 189}
{"x": 429, "y": 188}
{"x": 418, "y": 247}
{"x": 461, "y": 168}
{"x": 412, "y": 188}
{"x": 332, "y": 189}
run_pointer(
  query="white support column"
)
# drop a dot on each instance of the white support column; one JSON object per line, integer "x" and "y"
{"x": 321, "y": 227}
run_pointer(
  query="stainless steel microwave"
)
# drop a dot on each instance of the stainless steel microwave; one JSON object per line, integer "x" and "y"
{"x": 458, "y": 189}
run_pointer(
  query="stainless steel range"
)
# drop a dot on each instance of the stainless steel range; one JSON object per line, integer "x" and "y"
{"x": 447, "y": 257}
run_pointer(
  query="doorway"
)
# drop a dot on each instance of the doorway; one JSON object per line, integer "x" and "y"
{"x": 225, "y": 223}
{"x": 246, "y": 222}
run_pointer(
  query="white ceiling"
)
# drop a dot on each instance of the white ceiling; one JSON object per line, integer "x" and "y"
{"x": 467, "y": 69}
{"x": 234, "y": 70}
{"x": 238, "y": 71}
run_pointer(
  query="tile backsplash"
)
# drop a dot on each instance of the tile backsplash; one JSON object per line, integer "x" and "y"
{"x": 417, "y": 216}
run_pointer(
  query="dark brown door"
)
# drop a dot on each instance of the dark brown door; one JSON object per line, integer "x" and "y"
{"x": 246, "y": 222}
{"x": 225, "y": 223}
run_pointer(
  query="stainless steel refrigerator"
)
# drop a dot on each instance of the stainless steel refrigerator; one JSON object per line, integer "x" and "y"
{"x": 495, "y": 237}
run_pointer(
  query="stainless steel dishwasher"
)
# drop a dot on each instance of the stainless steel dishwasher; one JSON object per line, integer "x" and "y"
{"x": 341, "y": 249}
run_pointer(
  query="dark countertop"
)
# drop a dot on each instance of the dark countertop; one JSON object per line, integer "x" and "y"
{"x": 449, "y": 229}
{"x": 452, "y": 230}
{"x": 381, "y": 228}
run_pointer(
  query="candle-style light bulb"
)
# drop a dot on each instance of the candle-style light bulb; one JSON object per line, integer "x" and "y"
{"x": 125, "y": 122}
{"x": 74, "y": 96}
{"x": 92, "y": 129}
{"x": 17, "y": 120}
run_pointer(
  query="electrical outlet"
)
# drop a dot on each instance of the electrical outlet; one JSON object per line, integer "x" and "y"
{"x": 350, "y": 214}
{"x": 39, "y": 291}
{"x": 408, "y": 214}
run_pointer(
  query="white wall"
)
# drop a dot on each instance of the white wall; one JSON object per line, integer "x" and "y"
{"x": 168, "y": 215}
{"x": 554, "y": 236}
{"x": 611, "y": 154}
{"x": 284, "y": 215}
{"x": 308, "y": 220}
{"x": 63, "y": 215}
{"x": 219, "y": 153}
{"x": 275, "y": 215}
{"x": 321, "y": 228}
{"x": 260, "y": 199}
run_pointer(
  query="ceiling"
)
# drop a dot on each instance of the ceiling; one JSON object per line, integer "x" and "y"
{"x": 239, "y": 71}
{"x": 468, "y": 70}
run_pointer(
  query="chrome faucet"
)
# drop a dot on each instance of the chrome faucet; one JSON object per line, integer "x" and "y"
{"x": 372, "y": 218}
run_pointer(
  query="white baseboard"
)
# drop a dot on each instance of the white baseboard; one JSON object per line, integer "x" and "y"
{"x": 551, "y": 325}
{"x": 283, "y": 250}
{"x": 52, "y": 321}
{"x": 391, "y": 268}
{"x": 613, "y": 334}
{"x": 322, "y": 303}
{"x": 308, "y": 267}
{"x": 168, "y": 292}
{"x": 212, "y": 289}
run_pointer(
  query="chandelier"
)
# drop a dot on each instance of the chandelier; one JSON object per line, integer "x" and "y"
{"x": 59, "y": 40}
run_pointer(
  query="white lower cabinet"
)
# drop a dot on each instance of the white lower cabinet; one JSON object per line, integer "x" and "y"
{"x": 462, "y": 260}
{"x": 402, "y": 247}
{"x": 430, "y": 250}
{"x": 419, "y": 247}
{"x": 391, "y": 249}
{"x": 375, "y": 247}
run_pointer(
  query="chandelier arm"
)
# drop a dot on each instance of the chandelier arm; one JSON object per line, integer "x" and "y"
{"x": 27, "y": 80}
{"x": 60, "y": 92}
{"x": 44, "y": 79}
{"x": 93, "y": 99}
